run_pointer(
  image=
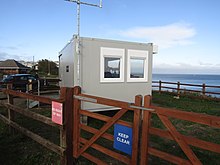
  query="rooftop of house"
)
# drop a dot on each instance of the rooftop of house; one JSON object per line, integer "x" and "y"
{"x": 13, "y": 64}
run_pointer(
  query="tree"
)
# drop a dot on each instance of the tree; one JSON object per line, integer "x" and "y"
{"x": 46, "y": 67}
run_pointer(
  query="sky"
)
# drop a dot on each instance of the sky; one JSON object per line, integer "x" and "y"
{"x": 186, "y": 31}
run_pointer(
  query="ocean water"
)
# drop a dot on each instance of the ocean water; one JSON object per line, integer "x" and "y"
{"x": 190, "y": 79}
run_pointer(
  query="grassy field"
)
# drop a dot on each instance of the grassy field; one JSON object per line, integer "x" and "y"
{"x": 18, "y": 149}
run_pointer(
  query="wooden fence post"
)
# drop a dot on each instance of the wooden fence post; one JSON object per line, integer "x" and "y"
{"x": 145, "y": 132}
{"x": 10, "y": 112}
{"x": 136, "y": 125}
{"x": 76, "y": 122}
{"x": 203, "y": 90}
{"x": 178, "y": 88}
{"x": 160, "y": 86}
{"x": 66, "y": 138}
{"x": 62, "y": 130}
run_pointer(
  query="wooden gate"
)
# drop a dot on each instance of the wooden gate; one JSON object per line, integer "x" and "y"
{"x": 170, "y": 132}
{"x": 82, "y": 144}
{"x": 142, "y": 130}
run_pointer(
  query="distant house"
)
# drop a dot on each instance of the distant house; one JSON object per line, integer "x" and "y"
{"x": 12, "y": 67}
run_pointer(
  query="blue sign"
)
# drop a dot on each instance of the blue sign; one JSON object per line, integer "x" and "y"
{"x": 123, "y": 138}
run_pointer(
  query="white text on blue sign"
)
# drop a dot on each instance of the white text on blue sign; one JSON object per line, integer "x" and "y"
{"x": 123, "y": 138}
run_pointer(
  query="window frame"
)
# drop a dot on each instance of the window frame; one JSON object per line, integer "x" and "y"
{"x": 111, "y": 53}
{"x": 137, "y": 54}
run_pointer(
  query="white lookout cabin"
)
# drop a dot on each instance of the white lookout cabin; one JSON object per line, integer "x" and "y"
{"x": 107, "y": 68}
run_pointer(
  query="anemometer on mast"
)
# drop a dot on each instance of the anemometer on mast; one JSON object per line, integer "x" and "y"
{"x": 79, "y": 2}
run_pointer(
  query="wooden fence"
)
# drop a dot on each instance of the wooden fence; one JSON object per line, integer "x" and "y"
{"x": 142, "y": 119}
{"x": 95, "y": 140}
{"x": 181, "y": 88}
{"x": 65, "y": 147}
{"x": 81, "y": 144}
{"x": 170, "y": 132}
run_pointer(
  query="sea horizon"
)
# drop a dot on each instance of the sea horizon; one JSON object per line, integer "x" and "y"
{"x": 208, "y": 79}
{"x": 194, "y": 79}
{"x": 187, "y": 74}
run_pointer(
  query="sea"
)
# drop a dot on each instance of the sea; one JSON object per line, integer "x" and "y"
{"x": 198, "y": 79}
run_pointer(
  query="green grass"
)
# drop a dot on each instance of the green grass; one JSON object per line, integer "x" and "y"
{"x": 18, "y": 149}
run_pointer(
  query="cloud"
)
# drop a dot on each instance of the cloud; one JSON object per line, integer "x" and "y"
{"x": 11, "y": 47}
{"x": 185, "y": 68}
{"x": 18, "y": 57}
{"x": 165, "y": 36}
{"x": 205, "y": 64}
{"x": 4, "y": 56}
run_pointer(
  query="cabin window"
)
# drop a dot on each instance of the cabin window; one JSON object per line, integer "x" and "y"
{"x": 137, "y": 66}
{"x": 111, "y": 65}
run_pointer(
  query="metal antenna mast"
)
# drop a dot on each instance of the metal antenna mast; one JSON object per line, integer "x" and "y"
{"x": 79, "y": 2}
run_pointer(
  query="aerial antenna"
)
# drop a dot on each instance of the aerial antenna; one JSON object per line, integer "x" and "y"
{"x": 79, "y": 2}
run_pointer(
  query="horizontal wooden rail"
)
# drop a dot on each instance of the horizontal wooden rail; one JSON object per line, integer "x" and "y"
{"x": 42, "y": 99}
{"x": 93, "y": 159}
{"x": 212, "y": 86}
{"x": 185, "y": 84}
{"x": 108, "y": 152}
{"x": 215, "y": 93}
{"x": 178, "y": 87}
{"x": 110, "y": 102}
{"x": 169, "y": 87}
{"x": 165, "y": 82}
{"x": 33, "y": 115}
{"x": 103, "y": 117}
{"x": 44, "y": 142}
{"x": 104, "y": 101}
{"x": 154, "y": 86}
{"x": 209, "y": 120}
{"x": 168, "y": 157}
{"x": 190, "y": 140}
{"x": 94, "y": 131}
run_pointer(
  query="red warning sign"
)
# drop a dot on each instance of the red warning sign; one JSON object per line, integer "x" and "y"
{"x": 57, "y": 112}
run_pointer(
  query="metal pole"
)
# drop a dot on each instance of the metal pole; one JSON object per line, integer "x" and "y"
{"x": 38, "y": 91}
{"x": 27, "y": 89}
{"x": 78, "y": 2}
{"x": 78, "y": 18}
{"x": 78, "y": 43}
